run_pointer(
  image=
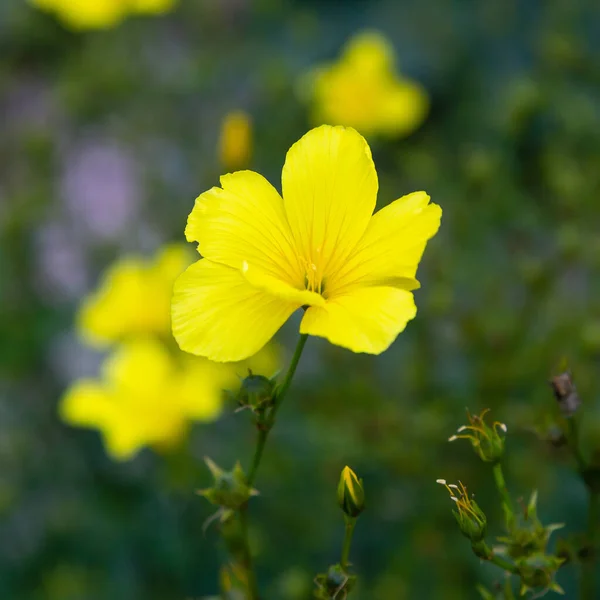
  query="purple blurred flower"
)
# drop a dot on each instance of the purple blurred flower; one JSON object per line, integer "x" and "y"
{"x": 101, "y": 187}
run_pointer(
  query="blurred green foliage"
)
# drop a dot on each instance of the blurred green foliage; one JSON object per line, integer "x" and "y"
{"x": 511, "y": 151}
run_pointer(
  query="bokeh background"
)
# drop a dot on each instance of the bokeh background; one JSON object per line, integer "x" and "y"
{"x": 106, "y": 138}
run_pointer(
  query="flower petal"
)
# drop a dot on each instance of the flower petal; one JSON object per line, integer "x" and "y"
{"x": 244, "y": 220}
{"x": 86, "y": 404}
{"x": 364, "y": 320}
{"x": 218, "y": 314}
{"x": 280, "y": 289}
{"x": 392, "y": 246}
{"x": 329, "y": 192}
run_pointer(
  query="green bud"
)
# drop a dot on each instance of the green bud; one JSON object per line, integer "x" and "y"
{"x": 488, "y": 442}
{"x": 256, "y": 392}
{"x": 350, "y": 493}
{"x": 229, "y": 489}
{"x": 335, "y": 584}
{"x": 470, "y": 518}
{"x": 538, "y": 571}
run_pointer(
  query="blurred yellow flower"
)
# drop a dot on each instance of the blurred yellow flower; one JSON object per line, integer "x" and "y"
{"x": 134, "y": 297}
{"x": 235, "y": 144}
{"x": 147, "y": 395}
{"x": 363, "y": 90}
{"x": 101, "y": 14}
{"x": 318, "y": 247}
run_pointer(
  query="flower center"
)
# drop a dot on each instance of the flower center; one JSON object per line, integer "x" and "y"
{"x": 313, "y": 278}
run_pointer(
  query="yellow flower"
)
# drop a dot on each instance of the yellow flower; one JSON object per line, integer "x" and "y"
{"x": 318, "y": 247}
{"x": 147, "y": 396}
{"x": 363, "y": 90}
{"x": 235, "y": 144}
{"x": 101, "y": 14}
{"x": 144, "y": 398}
{"x": 133, "y": 298}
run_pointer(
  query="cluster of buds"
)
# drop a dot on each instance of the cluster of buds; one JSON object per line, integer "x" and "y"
{"x": 488, "y": 442}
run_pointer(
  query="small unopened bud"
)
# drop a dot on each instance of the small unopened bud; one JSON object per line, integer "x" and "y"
{"x": 230, "y": 489}
{"x": 488, "y": 442}
{"x": 565, "y": 393}
{"x": 256, "y": 392}
{"x": 335, "y": 584}
{"x": 470, "y": 518}
{"x": 350, "y": 493}
{"x": 538, "y": 571}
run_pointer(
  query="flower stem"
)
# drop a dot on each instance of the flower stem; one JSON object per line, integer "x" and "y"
{"x": 501, "y": 485}
{"x": 588, "y": 578}
{"x": 264, "y": 427}
{"x": 282, "y": 391}
{"x": 350, "y": 524}
{"x": 247, "y": 556}
{"x": 258, "y": 452}
{"x": 483, "y": 551}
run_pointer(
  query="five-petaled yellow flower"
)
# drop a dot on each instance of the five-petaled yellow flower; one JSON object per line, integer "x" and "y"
{"x": 363, "y": 90}
{"x": 134, "y": 298}
{"x": 319, "y": 247}
{"x": 101, "y": 14}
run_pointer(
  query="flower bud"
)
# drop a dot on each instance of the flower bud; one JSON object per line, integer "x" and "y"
{"x": 256, "y": 392}
{"x": 350, "y": 493}
{"x": 230, "y": 489}
{"x": 470, "y": 518}
{"x": 538, "y": 571}
{"x": 335, "y": 584}
{"x": 488, "y": 442}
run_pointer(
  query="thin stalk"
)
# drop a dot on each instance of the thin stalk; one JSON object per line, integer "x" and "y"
{"x": 258, "y": 452}
{"x": 263, "y": 433}
{"x": 247, "y": 556}
{"x": 350, "y": 524}
{"x": 501, "y": 485}
{"x": 264, "y": 429}
{"x": 482, "y": 550}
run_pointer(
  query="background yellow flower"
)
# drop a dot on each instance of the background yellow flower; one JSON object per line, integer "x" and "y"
{"x": 145, "y": 397}
{"x": 133, "y": 298}
{"x": 235, "y": 143}
{"x": 101, "y": 14}
{"x": 363, "y": 90}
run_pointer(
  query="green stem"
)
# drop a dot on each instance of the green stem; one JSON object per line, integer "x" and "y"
{"x": 350, "y": 524}
{"x": 263, "y": 433}
{"x": 501, "y": 485}
{"x": 482, "y": 550}
{"x": 265, "y": 428}
{"x": 283, "y": 389}
{"x": 258, "y": 452}
{"x": 247, "y": 556}
{"x": 588, "y": 578}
